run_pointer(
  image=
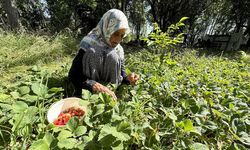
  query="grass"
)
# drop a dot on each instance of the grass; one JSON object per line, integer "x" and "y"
{"x": 19, "y": 52}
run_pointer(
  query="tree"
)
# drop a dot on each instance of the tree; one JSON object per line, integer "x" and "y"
{"x": 31, "y": 14}
{"x": 12, "y": 14}
{"x": 165, "y": 13}
{"x": 137, "y": 17}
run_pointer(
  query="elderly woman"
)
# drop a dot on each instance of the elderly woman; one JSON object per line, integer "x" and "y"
{"x": 100, "y": 59}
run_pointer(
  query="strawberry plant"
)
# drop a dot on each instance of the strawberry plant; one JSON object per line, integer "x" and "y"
{"x": 186, "y": 101}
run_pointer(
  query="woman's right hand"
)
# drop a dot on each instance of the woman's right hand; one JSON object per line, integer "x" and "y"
{"x": 97, "y": 87}
{"x": 133, "y": 78}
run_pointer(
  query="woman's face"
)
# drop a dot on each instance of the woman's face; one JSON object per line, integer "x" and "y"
{"x": 117, "y": 37}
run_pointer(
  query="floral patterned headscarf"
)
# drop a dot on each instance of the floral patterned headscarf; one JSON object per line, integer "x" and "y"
{"x": 110, "y": 22}
{"x": 101, "y": 62}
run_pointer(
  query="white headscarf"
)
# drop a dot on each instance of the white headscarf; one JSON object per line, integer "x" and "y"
{"x": 110, "y": 22}
{"x": 101, "y": 62}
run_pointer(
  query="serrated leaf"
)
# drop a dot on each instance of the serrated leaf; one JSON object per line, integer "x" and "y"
{"x": 107, "y": 140}
{"x": 90, "y": 136}
{"x": 48, "y": 138}
{"x": 29, "y": 98}
{"x": 67, "y": 143}
{"x": 4, "y": 97}
{"x": 64, "y": 134}
{"x": 99, "y": 109}
{"x": 72, "y": 124}
{"x": 39, "y": 145}
{"x": 94, "y": 97}
{"x": 86, "y": 94}
{"x": 84, "y": 103}
{"x": 188, "y": 125}
{"x": 15, "y": 95}
{"x": 198, "y": 146}
{"x": 19, "y": 107}
{"x": 118, "y": 145}
{"x": 106, "y": 130}
{"x": 24, "y": 90}
{"x": 87, "y": 121}
{"x": 123, "y": 126}
{"x": 80, "y": 130}
{"x": 39, "y": 89}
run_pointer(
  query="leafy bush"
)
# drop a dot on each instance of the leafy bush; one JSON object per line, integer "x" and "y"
{"x": 162, "y": 42}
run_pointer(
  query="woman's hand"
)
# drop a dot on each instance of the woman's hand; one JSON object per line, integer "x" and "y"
{"x": 133, "y": 78}
{"x": 97, "y": 87}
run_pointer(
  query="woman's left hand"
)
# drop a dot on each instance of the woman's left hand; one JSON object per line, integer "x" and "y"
{"x": 133, "y": 78}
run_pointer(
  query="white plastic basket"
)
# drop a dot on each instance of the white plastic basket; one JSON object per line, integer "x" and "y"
{"x": 62, "y": 105}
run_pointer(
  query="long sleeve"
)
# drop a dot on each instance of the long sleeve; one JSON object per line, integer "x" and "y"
{"x": 123, "y": 73}
{"x": 76, "y": 75}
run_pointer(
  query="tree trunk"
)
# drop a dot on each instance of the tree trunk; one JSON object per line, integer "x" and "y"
{"x": 247, "y": 32}
{"x": 153, "y": 11}
{"x": 12, "y": 14}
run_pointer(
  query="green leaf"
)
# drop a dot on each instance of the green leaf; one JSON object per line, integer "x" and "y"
{"x": 84, "y": 103}
{"x": 180, "y": 24}
{"x": 210, "y": 125}
{"x": 188, "y": 125}
{"x": 56, "y": 90}
{"x": 183, "y": 19}
{"x": 80, "y": 130}
{"x": 217, "y": 113}
{"x": 4, "y": 97}
{"x": 198, "y": 146}
{"x": 87, "y": 121}
{"x": 67, "y": 143}
{"x": 118, "y": 145}
{"x": 72, "y": 124}
{"x": 39, "y": 145}
{"x": 29, "y": 98}
{"x": 24, "y": 90}
{"x": 172, "y": 116}
{"x": 15, "y": 95}
{"x": 39, "y": 89}
{"x": 19, "y": 107}
{"x": 236, "y": 146}
{"x": 245, "y": 138}
{"x": 64, "y": 134}
{"x": 90, "y": 136}
{"x": 157, "y": 137}
{"x": 107, "y": 129}
{"x": 123, "y": 126}
{"x": 86, "y": 94}
{"x": 107, "y": 140}
{"x": 48, "y": 138}
{"x": 94, "y": 97}
{"x": 99, "y": 109}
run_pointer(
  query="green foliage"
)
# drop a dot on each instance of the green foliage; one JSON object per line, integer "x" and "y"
{"x": 31, "y": 14}
{"x": 189, "y": 102}
{"x": 163, "y": 41}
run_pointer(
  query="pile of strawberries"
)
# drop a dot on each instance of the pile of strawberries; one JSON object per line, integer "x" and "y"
{"x": 64, "y": 117}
